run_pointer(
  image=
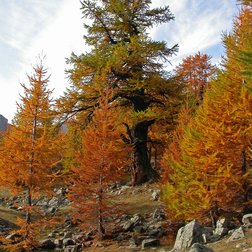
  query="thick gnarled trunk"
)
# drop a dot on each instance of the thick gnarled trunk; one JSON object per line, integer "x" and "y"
{"x": 142, "y": 170}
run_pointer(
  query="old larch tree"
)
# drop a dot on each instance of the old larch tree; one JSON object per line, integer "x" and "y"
{"x": 124, "y": 57}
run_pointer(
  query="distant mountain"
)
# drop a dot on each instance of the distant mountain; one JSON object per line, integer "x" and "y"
{"x": 3, "y": 123}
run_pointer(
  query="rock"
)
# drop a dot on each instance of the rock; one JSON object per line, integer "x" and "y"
{"x": 236, "y": 235}
{"x": 68, "y": 242}
{"x": 208, "y": 236}
{"x": 51, "y": 210}
{"x": 42, "y": 202}
{"x": 80, "y": 237}
{"x": 51, "y": 235}
{"x": 58, "y": 243}
{"x": 74, "y": 248}
{"x": 130, "y": 224}
{"x": 62, "y": 191}
{"x": 61, "y": 233}
{"x": 155, "y": 195}
{"x": 247, "y": 220}
{"x": 122, "y": 237}
{"x": 137, "y": 240}
{"x": 98, "y": 245}
{"x": 53, "y": 202}
{"x": 159, "y": 214}
{"x": 47, "y": 244}
{"x": 150, "y": 243}
{"x": 125, "y": 187}
{"x": 91, "y": 233}
{"x": 88, "y": 244}
{"x": 221, "y": 227}
{"x": 133, "y": 241}
{"x": 68, "y": 235}
{"x": 13, "y": 236}
{"x": 157, "y": 232}
{"x": 197, "y": 247}
{"x": 188, "y": 235}
{"x": 139, "y": 229}
{"x": 242, "y": 245}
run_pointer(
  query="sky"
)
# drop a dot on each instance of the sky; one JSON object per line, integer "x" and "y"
{"x": 29, "y": 28}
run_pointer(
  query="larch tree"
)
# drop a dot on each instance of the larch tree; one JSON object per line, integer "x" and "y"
{"x": 131, "y": 63}
{"x": 211, "y": 175}
{"x": 30, "y": 149}
{"x": 195, "y": 72}
{"x": 98, "y": 165}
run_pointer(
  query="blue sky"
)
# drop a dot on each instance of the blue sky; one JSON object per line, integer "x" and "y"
{"x": 55, "y": 28}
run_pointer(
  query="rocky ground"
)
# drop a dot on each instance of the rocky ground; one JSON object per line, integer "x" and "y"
{"x": 143, "y": 225}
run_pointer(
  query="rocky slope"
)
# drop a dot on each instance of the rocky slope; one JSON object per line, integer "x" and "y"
{"x": 142, "y": 226}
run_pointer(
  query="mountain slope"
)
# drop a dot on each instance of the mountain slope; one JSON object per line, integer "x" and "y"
{"x": 3, "y": 123}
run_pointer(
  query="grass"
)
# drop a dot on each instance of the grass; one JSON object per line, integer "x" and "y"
{"x": 223, "y": 246}
{"x": 138, "y": 200}
{"x": 10, "y": 215}
{"x": 4, "y": 192}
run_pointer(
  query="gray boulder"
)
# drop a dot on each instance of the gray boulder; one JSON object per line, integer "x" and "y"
{"x": 197, "y": 247}
{"x": 140, "y": 229}
{"x": 208, "y": 236}
{"x": 150, "y": 243}
{"x": 236, "y": 235}
{"x": 247, "y": 220}
{"x": 133, "y": 222}
{"x": 188, "y": 235}
{"x": 221, "y": 227}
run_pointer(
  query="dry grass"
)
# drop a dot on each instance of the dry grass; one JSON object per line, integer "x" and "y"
{"x": 4, "y": 192}
{"x": 223, "y": 246}
{"x": 137, "y": 200}
{"x": 10, "y": 215}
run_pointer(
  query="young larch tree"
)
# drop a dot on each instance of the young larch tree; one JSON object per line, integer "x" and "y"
{"x": 195, "y": 72}
{"x": 211, "y": 176}
{"x": 98, "y": 164}
{"x": 30, "y": 149}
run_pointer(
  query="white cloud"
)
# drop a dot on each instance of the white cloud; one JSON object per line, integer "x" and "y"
{"x": 197, "y": 27}
{"x": 29, "y": 27}
{"x": 31, "y": 32}
{"x": 57, "y": 41}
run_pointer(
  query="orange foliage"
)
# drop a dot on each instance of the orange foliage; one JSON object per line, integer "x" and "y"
{"x": 208, "y": 171}
{"x": 99, "y": 164}
{"x": 195, "y": 72}
{"x": 30, "y": 150}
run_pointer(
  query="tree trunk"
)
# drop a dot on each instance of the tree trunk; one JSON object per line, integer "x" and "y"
{"x": 141, "y": 167}
{"x": 29, "y": 203}
{"x": 30, "y": 172}
{"x": 101, "y": 229}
